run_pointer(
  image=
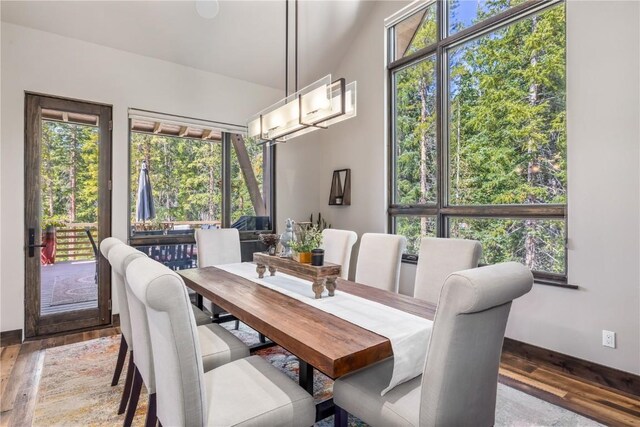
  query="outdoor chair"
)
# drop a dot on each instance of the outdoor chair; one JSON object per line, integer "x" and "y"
{"x": 95, "y": 251}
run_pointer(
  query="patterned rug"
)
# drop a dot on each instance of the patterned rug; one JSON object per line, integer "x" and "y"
{"x": 75, "y": 389}
{"x": 73, "y": 282}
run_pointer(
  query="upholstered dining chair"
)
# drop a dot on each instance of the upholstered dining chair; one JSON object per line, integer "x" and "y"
{"x": 337, "y": 245}
{"x": 438, "y": 258}
{"x": 244, "y": 392}
{"x": 218, "y": 346}
{"x": 459, "y": 381}
{"x": 379, "y": 260}
{"x": 126, "y": 341}
{"x": 125, "y": 324}
{"x": 217, "y": 247}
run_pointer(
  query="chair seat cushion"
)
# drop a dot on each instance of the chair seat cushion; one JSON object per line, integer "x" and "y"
{"x": 202, "y": 318}
{"x": 359, "y": 394}
{"x": 251, "y": 392}
{"x": 219, "y": 346}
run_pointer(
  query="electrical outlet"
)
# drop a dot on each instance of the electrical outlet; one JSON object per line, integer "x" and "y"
{"x": 609, "y": 339}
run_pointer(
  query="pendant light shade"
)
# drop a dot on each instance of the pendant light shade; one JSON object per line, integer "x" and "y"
{"x": 316, "y": 106}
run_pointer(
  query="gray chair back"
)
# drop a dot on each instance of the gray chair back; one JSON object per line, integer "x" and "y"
{"x": 460, "y": 378}
{"x": 106, "y": 247}
{"x": 438, "y": 258}
{"x": 107, "y": 244}
{"x": 121, "y": 257}
{"x": 337, "y": 245}
{"x": 218, "y": 246}
{"x": 379, "y": 260}
{"x": 176, "y": 350}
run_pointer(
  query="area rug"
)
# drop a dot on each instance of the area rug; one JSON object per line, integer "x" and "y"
{"x": 73, "y": 282}
{"x": 75, "y": 389}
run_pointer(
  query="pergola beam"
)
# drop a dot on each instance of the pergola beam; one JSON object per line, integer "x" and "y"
{"x": 249, "y": 175}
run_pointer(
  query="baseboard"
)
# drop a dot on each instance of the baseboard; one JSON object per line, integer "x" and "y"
{"x": 115, "y": 320}
{"x": 10, "y": 337}
{"x": 582, "y": 369}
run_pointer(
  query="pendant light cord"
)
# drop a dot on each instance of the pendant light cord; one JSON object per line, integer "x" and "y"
{"x": 296, "y": 46}
{"x": 286, "y": 48}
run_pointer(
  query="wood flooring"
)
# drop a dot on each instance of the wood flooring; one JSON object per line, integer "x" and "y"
{"x": 21, "y": 369}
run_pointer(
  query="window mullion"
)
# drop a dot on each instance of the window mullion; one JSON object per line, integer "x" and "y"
{"x": 226, "y": 180}
{"x": 441, "y": 76}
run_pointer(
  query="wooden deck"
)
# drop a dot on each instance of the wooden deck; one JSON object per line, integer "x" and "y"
{"x": 69, "y": 271}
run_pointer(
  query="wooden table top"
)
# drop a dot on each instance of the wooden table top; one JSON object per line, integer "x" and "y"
{"x": 330, "y": 344}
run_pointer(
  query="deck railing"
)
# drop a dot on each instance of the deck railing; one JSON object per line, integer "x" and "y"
{"x": 72, "y": 241}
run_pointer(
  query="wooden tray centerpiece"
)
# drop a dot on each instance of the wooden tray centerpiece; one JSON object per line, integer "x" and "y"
{"x": 321, "y": 276}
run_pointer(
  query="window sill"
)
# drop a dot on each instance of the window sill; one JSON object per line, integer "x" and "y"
{"x": 413, "y": 259}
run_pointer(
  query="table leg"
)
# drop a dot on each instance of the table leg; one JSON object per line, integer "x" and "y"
{"x": 331, "y": 285}
{"x": 318, "y": 287}
{"x": 199, "y": 301}
{"x": 305, "y": 376}
{"x": 272, "y": 270}
{"x": 260, "y": 269}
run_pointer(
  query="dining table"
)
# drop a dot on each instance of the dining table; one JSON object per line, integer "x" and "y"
{"x": 320, "y": 340}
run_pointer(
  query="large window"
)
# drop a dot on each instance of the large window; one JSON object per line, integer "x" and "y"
{"x": 201, "y": 176}
{"x": 477, "y": 129}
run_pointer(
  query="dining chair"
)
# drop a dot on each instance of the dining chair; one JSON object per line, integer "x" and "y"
{"x": 125, "y": 324}
{"x": 379, "y": 260}
{"x": 248, "y": 391}
{"x": 217, "y": 247}
{"x": 438, "y": 258}
{"x": 459, "y": 381}
{"x": 337, "y": 245}
{"x": 126, "y": 340}
{"x": 218, "y": 346}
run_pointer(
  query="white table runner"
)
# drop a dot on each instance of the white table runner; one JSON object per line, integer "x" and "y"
{"x": 409, "y": 335}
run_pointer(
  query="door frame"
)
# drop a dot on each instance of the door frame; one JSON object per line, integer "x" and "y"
{"x": 36, "y": 325}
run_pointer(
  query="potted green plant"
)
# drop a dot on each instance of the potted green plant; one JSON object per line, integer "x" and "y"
{"x": 270, "y": 241}
{"x": 308, "y": 238}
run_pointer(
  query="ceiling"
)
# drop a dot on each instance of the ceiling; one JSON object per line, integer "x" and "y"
{"x": 244, "y": 41}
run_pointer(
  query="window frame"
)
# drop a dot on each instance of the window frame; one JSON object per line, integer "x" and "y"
{"x": 227, "y": 146}
{"x": 442, "y": 209}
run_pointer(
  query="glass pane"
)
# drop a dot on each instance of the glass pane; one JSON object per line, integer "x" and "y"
{"x": 69, "y": 216}
{"x": 415, "y": 133}
{"x": 537, "y": 243}
{"x": 414, "y": 228}
{"x": 465, "y": 13}
{"x": 248, "y": 201}
{"x": 185, "y": 176}
{"x": 415, "y": 32}
{"x": 507, "y": 129}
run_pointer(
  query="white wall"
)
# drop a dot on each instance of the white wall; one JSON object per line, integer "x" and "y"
{"x": 43, "y": 62}
{"x": 603, "y": 100}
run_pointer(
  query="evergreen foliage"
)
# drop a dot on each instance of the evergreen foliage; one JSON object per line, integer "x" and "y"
{"x": 506, "y": 135}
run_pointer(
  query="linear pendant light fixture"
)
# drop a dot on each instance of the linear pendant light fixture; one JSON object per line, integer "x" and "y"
{"x": 317, "y": 106}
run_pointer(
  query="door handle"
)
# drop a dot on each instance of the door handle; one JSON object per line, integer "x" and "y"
{"x": 32, "y": 243}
